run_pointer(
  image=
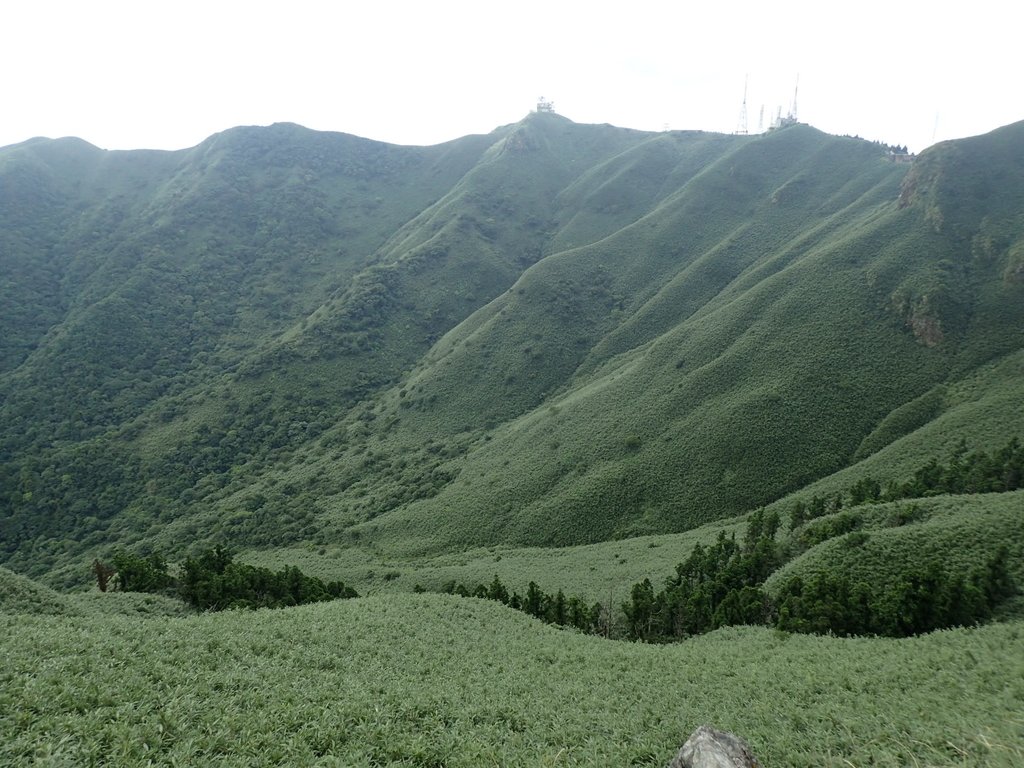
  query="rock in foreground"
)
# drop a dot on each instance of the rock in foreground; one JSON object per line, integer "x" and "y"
{"x": 710, "y": 748}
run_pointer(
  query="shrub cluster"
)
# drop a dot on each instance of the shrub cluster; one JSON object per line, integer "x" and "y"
{"x": 214, "y": 581}
{"x": 922, "y": 599}
{"x": 723, "y": 585}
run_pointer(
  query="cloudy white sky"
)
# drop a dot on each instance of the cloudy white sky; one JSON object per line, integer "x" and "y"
{"x": 166, "y": 75}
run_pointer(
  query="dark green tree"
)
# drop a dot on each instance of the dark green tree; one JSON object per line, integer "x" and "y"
{"x": 497, "y": 591}
{"x": 141, "y": 574}
{"x": 639, "y": 611}
{"x": 534, "y": 604}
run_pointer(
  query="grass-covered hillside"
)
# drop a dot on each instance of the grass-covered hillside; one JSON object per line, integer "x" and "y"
{"x": 434, "y": 680}
{"x": 124, "y": 678}
{"x": 553, "y": 334}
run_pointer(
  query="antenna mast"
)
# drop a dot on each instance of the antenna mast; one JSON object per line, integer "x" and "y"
{"x": 742, "y": 129}
{"x": 796, "y": 90}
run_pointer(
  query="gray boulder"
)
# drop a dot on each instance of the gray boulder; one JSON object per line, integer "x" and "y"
{"x": 710, "y": 748}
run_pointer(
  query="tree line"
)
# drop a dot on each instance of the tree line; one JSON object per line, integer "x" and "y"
{"x": 723, "y": 585}
{"x": 214, "y": 581}
{"x": 555, "y": 608}
{"x": 716, "y": 586}
{"x": 966, "y": 472}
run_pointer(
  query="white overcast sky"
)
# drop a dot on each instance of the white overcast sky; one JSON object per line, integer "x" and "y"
{"x": 165, "y": 75}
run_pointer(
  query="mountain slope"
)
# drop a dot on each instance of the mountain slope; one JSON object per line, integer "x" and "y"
{"x": 549, "y": 335}
{"x": 795, "y": 361}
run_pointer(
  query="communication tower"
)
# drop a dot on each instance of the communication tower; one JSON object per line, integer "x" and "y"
{"x": 742, "y": 127}
{"x": 796, "y": 90}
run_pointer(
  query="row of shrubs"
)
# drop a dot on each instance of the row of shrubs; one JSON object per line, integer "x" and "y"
{"x": 723, "y": 585}
{"x": 921, "y": 600}
{"x": 554, "y": 608}
{"x": 213, "y": 581}
{"x": 965, "y": 472}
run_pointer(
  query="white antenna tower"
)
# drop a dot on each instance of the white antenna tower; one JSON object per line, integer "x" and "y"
{"x": 742, "y": 129}
{"x": 796, "y": 90}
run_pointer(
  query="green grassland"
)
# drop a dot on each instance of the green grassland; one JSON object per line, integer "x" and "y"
{"x": 959, "y": 531}
{"x": 548, "y": 423}
{"x": 434, "y": 680}
{"x": 19, "y": 594}
{"x": 980, "y": 409}
{"x": 401, "y": 679}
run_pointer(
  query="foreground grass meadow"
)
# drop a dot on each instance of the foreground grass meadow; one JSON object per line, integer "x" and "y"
{"x": 432, "y": 680}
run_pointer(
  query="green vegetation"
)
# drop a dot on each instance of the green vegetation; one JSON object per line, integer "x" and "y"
{"x": 639, "y": 385}
{"x": 974, "y": 472}
{"x": 437, "y": 680}
{"x": 925, "y": 599}
{"x": 715, "y": 587}
{"x": 21, "y": 595}
{"x": 601, "y": 572}
{"x": 724, "y": 584}
{"x": 553, "y": 334}
{"x": 213, "y": 581}
{"x": 886, "y": 543}
{"x": 571, "y": 611}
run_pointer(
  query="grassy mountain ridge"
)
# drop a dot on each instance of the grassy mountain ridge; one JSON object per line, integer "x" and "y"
{"x": 550, "y": 335}
{"x": 877, "y": 362}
